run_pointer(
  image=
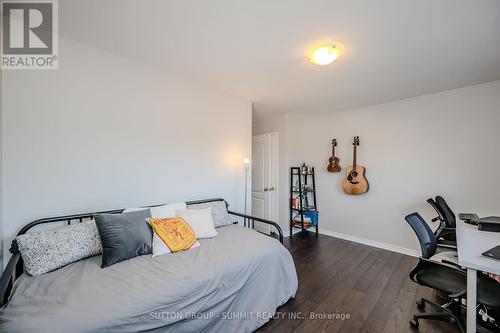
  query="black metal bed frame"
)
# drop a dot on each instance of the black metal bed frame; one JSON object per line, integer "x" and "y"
{"x": 15, "y": 267}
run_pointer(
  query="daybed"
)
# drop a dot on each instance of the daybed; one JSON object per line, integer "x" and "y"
{"x": 231, "y": 283}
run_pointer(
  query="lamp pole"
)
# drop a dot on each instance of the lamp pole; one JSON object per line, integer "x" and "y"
{"x": 247, "y": 167}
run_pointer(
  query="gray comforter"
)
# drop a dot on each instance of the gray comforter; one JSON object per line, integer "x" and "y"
{"x": 231, "y": 283}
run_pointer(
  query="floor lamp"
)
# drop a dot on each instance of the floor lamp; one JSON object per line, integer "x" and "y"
{"x": 246, "y": 161}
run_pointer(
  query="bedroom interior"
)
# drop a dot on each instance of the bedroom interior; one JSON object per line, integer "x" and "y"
{"x": 222, "y": 166}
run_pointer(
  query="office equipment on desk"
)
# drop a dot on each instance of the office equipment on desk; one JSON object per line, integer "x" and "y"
{"x": 493, "y": 253}
{"x": 468, "y": 217}
{"x": 489, "y": 223}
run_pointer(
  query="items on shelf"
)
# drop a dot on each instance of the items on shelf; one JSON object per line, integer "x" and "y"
{"x": 306, "y": 170}
{"x": 303, "y": 209}
{"x": 298, "y": 219}
{"x": 298, "y": 224}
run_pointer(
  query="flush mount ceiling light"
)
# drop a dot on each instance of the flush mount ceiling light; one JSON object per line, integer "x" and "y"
{"x": 324, "y": 55}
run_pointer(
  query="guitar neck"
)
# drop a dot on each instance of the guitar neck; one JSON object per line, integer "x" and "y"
{"x": 354, "y": 158}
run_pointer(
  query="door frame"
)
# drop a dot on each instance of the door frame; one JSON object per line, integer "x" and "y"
{"x": 275, "y": 156}
{"x": 274, "y": 168}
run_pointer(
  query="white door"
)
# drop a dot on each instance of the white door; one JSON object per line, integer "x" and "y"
{"x": 264, "y": 179}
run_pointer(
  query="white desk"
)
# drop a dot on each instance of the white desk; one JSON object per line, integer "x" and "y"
{"x": 471, "y": 243}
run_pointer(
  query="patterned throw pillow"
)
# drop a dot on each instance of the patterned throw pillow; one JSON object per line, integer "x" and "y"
{"x": 46, "y": 251}
{"x": 219, "y": 212}
{"x": 176, "y": 233}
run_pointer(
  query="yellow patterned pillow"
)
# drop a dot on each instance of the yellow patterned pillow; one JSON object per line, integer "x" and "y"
{"x": 176, "y": 233}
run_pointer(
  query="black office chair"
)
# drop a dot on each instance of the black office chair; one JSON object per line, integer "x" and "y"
{"x": 446, "y": 277}
{"x": 446, "y": 233}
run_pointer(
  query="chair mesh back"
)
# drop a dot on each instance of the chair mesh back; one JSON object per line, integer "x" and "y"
{"x": 446, "y": 212}
{"x": 424, "y": 234}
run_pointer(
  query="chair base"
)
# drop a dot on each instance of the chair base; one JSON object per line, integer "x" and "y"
{"x": 449, "y": 312}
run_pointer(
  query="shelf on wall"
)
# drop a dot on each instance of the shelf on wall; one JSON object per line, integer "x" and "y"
{"x": 305, "y": 199}
{"x": 307, "y": 209}
{"x": 298, "y": 226}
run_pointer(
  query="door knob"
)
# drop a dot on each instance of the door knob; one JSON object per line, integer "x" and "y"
{"x": 271, "y": 188}
{"x": 266, "y": 189}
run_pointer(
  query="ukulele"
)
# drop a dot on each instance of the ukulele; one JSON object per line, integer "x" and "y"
{"x": 333, "y": 166}
{"x": 355, "y": 181}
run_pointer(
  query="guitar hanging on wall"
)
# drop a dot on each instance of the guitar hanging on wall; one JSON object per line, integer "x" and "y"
{"x": 355, "y": 181}
{"x": 333, "y": 166}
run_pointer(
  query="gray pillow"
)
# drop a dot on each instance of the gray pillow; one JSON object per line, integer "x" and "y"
{"x": 124, "y": 236}
{"x": 219, "y": 212}
{"x": 46, "y": 251}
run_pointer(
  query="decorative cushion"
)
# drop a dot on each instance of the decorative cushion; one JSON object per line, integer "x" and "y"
{"x": 124, "y": 236}
{"x": 174, "y": 233}
{"x": 168, "y": 210}
{"x": 46, "y": 251}
{"x": 200, "y": 220}
{"x": 160, "y": 248}
{"x": 220, "y": 215}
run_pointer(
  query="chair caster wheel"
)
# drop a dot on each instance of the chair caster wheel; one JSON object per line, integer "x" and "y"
{"x": 421, "y": 304}
{"x": 413, "y": 323}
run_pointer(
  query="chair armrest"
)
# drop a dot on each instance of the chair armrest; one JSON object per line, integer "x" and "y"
{"x": 258, "y": 219}
{"x": 444, "y": 232}
{"x": 454, "y": 267}
{"x": 446, "y": 246}
{"x": 452, "y": 263}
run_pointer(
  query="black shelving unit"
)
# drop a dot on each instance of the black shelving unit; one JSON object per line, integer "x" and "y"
{"x": 305, "y": 197}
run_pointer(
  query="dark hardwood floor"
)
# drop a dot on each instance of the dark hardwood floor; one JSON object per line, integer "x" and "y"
{"x": 341, "y": 277}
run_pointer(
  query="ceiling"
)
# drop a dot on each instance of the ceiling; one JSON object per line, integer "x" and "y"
{"x": 256, "y": 49}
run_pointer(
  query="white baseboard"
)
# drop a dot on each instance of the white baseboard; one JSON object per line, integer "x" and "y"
{"x": 385, "y": 246}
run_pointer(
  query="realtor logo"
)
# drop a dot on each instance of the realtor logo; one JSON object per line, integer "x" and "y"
{"x": 29, "y": 37}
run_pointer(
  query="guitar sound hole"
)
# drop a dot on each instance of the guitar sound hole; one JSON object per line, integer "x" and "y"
{"x": 351, "y": 177}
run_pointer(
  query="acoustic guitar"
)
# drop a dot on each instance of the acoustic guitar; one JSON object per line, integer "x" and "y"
{"x": 333, "y": 166}
{"x": 355, "y": 181}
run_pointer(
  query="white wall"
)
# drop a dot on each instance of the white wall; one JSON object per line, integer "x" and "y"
{"x": 1, "y": 171}
{"x": 103, "y": 132}
{"x": 444, "y": 143}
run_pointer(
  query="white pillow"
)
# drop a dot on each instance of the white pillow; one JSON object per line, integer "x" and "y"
{"x": 165, "y": 211}
{"x": 200, "y": 221}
